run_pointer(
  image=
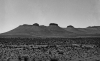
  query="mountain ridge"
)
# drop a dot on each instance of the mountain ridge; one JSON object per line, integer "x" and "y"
{"x": 53, "y": 30}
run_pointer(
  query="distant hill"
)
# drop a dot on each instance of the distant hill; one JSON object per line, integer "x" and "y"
{"x": 53, "y": 30}
{"x": 85, "y": 32}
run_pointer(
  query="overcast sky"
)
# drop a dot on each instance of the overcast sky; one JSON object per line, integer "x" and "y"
{"x": 79, "y": 13}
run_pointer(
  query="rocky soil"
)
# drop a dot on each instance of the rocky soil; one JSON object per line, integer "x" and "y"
{"x": 49, "y": 53}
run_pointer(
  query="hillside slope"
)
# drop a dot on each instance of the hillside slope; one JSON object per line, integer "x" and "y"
{"x": 53, "y": 30}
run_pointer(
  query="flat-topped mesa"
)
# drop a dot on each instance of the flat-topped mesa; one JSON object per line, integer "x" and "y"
{"x": 25, "y": 24}
{"x": 53, "y": 24}
{"x": 93, "y": 27}
{"x": 35, "y": 24}
{"x": 70, "y": 26}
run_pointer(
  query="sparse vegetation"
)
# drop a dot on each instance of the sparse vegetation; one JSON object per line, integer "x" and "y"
{"x": 49, "y": 48}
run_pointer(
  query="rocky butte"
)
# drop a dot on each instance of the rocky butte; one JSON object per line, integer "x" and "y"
{"x": 53, "y": 30}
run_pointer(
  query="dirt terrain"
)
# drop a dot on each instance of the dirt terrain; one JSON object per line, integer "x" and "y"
{"x": 56, "y": 49}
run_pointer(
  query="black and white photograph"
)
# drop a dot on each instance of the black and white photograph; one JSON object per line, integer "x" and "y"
{"x": 49, "y": 30}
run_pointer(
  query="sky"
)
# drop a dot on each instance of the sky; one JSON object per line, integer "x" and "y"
{"x": 79, "y": 13}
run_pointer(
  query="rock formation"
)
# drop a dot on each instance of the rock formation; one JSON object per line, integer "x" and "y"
{"x": 35, "y": 24}
{"x": 53, "y": 24}
{"x": 53, "y": 30}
